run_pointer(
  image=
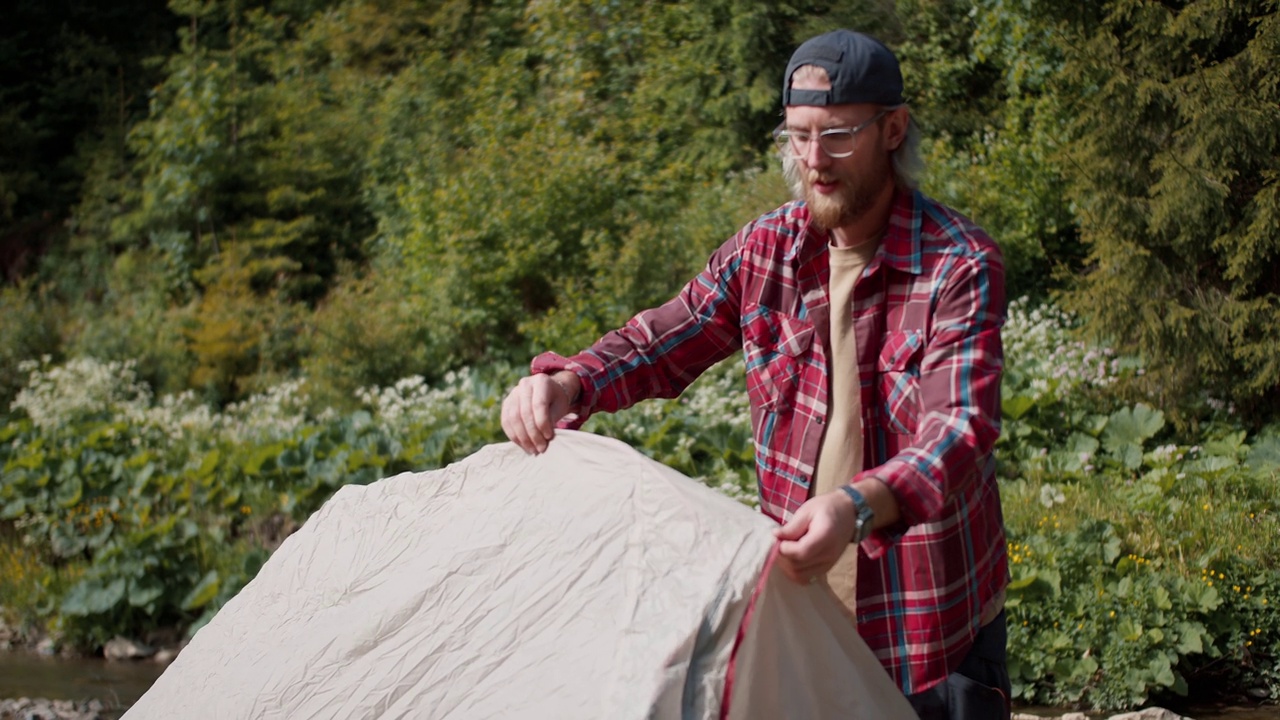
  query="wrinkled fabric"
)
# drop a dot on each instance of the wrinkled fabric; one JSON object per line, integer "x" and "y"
{"x": 587, "y": 582}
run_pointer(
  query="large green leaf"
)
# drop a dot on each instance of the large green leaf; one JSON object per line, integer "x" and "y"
{"x": 1131, "y": 426}
{"x": 145, "y": 591}
{"x": 1189, "y": 635}
{"x": 1016, "y": 406}
{"x": 204, "y": 592}
{"x": 91, "y": 597}
{"x": 1265, "y": 454}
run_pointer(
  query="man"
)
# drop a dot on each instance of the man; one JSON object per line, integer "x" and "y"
{"x": 869, "y": 317}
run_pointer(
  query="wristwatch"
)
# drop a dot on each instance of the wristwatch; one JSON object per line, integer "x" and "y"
{"x": 866, "y": 516}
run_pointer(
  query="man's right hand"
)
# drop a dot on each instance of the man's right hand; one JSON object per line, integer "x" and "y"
{"x": 534, "y": 406}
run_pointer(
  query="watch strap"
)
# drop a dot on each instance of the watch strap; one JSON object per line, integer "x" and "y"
{"x": 865, "y": 515}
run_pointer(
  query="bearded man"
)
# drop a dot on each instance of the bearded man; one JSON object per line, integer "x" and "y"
{"x": 869, "y": 317}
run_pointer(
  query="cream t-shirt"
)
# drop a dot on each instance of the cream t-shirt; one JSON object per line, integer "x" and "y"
{"x": 841, "y": 455}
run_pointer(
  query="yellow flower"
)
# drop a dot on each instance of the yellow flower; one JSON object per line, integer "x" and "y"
{"x": 1113, "y": 613}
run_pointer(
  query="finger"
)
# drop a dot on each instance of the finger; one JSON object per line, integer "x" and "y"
{"x": 542, "y": 401}
{"x": 795, "y": 528}
{"x": 803, "y": 573}
{"x": 537, "y": 439}
{"x": 799, "y": 552}
{"x": 512, "y": 423}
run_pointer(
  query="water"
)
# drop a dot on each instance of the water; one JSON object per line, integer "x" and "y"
{"x": 117, "y": 684}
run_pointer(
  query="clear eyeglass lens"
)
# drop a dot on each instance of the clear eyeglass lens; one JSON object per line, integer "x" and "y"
{"x": 836, "y": 143}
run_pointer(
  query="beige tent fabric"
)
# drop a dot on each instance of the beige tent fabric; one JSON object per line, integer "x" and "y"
{"x": 588, "y": 582}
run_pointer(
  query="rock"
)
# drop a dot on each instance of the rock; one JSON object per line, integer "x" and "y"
{"x": 39, "y": 709}
{"x": 119, "y": 648}
{"x": 1258, "y": 693}
{"x": 165, "y": 656}
{"x": 1147, "y": 714}
{"x": 47, "y": 647}
{"x": 1154, "y": 713}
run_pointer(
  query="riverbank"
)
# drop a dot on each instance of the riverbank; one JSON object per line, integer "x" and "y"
{"x": 42, "y": 709}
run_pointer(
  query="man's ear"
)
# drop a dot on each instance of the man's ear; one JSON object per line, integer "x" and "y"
{"x": 896, "y": 123}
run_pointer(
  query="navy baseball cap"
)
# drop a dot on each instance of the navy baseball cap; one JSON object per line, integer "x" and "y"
{"x": 861, "y": 70}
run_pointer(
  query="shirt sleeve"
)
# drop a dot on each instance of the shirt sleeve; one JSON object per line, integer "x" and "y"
{"x": 960, "y": 374}
{"x": 660, "y": 351}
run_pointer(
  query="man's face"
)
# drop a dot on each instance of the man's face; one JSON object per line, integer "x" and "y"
{"x": 838, "y": 191}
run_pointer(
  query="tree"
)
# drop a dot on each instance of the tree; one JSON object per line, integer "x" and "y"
{"x": 1174, "y": 159}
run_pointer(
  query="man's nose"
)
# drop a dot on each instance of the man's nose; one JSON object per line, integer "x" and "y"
{"x": 814, "y": 156}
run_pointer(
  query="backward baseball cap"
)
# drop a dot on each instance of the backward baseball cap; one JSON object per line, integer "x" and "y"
{"x": 861, "y": 70}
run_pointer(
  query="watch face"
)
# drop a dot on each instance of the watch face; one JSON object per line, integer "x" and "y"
{"x": 865, "y": 518}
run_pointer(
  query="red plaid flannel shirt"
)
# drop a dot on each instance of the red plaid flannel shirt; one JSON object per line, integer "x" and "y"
{"x": 927, "y": 314}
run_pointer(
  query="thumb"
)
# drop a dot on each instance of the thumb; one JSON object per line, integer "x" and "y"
{"x": 795, "y": 528}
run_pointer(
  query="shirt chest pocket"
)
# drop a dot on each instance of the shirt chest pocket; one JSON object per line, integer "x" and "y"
{"x": 898, "y": 380}
{"x": 775, "y": 346}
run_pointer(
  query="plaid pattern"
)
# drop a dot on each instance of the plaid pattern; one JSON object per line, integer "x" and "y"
{"x": 927, "y": 314}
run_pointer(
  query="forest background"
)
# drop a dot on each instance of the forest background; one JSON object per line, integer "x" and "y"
{"x": 256, "y": 250}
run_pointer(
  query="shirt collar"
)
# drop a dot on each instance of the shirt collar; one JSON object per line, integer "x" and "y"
{"x": 901, "y": 247}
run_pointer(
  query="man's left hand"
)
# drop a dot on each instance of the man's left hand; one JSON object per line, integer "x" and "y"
{"x": 816, "y": 535}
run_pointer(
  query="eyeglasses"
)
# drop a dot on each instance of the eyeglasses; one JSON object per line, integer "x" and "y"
{"x": 835, "y": 142}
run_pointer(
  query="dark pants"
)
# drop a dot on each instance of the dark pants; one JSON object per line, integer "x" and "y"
{"x": 979, "y": 688}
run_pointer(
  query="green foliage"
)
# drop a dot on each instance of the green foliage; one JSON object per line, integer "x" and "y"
{"x": 977, "y": 74}
{"x": 1139, "y": 569}
{"x": 30, "y": 330}
{"x": 371, "y": 330}
{"x": 245, "y": 145}
{"x": 239, "y": 344}
{"x": 1174, "y": 155}
{"x": 135, "y": 319}
{"x": 68, "y": 74}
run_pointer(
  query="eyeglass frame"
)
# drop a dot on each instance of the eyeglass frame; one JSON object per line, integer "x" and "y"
{"x": 781, "y": 134}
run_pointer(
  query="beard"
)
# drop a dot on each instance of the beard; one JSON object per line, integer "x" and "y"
{"x": 854, "y": 196}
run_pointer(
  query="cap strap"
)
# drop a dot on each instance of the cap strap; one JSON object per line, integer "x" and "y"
{"x": 807, "y": 97}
